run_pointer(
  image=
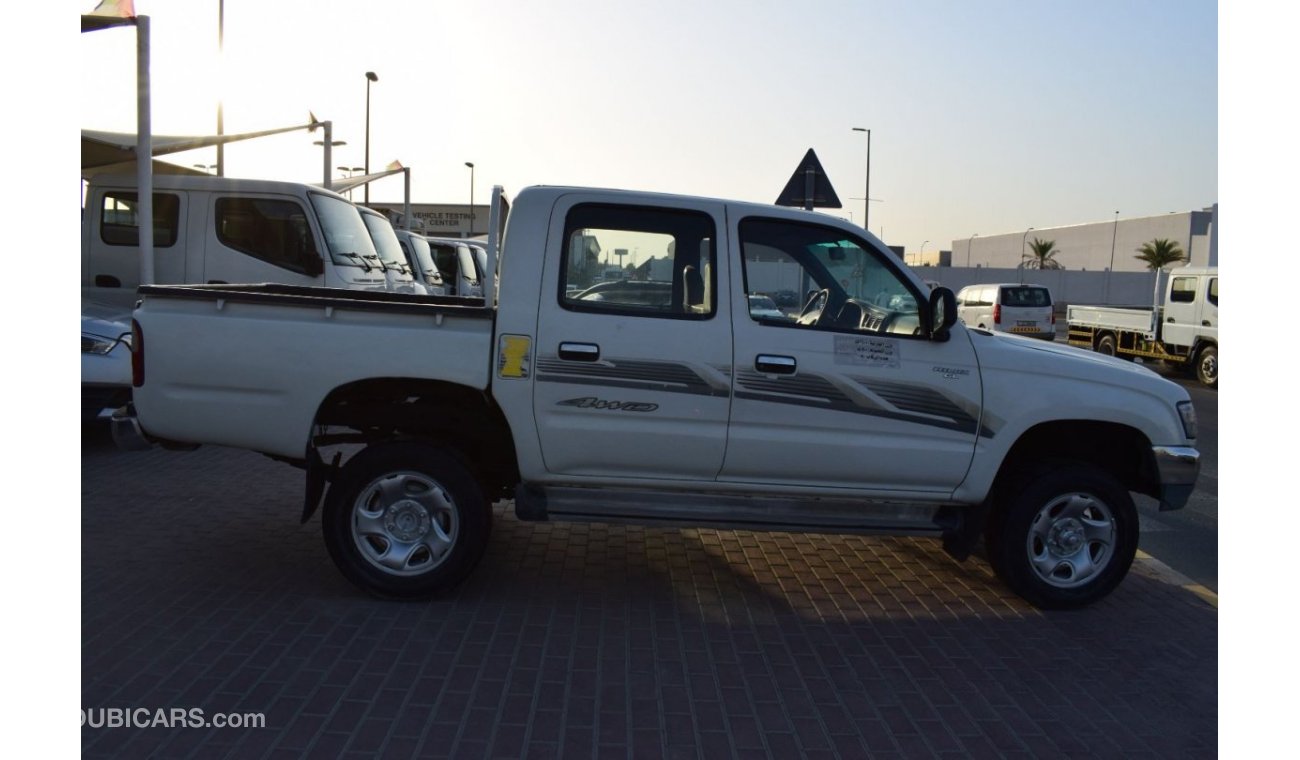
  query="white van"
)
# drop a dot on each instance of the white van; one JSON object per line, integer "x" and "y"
{"x": 420, "y": 258}
{"x": 1008, "y": 307}
{"x": 397, "y": 271}
{"x": 224, "y": 230}
{"x": 459, "y": 266}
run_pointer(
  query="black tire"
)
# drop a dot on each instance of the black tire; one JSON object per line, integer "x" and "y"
{"x": 1207, "y": 366}
{"x": 405, "y": 520}
{"x": 1106, "y": 345}
{"x": 1063, "y": 536}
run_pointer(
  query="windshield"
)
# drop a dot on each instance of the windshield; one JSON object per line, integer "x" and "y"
{"x": 424, "y": 255}
{"x": 381, "y": 231}
{"x": 861, "y": 276}
{"x": 345, "y": 234}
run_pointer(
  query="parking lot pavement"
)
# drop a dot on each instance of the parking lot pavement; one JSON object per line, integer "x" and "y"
{"x": 200, "y": 589}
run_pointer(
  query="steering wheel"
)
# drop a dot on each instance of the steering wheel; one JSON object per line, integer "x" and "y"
{"x": 812, "y": 311}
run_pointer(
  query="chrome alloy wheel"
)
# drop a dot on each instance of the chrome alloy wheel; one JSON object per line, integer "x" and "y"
{"x": 404, "y": 523}
{"x": 1071, "y": 540}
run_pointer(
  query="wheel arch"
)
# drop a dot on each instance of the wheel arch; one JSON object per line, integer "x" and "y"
{"x": 456, "y": 416}
{"x": 1121, "y": 450}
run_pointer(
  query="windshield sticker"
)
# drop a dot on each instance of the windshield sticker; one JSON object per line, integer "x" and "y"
{"x": 869, "y": 352}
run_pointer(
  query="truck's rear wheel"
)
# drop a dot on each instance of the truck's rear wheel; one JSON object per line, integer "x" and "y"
{"x": 1064, "y": 536}
{"x": 405, "y": 520}
{"x": 1106, "y": 345}
{"x": 1207, "y": 366}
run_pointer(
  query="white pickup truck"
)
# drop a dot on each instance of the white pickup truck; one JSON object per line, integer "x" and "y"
{"x": 667, "y": 401}
{"x": 1183, "y": 332}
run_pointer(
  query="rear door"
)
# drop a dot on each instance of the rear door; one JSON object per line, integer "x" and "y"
{"x": 1026, "y": 309}
{"x": 846, "y": 393}
{"x": 633, "y": 376}
{"x": 113, "y": 249}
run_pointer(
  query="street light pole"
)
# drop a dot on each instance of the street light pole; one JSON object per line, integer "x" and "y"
{"x": 221, "y": 48}
{"x": 370, "y": 77}
{"x": 866, "y": 196}
{"x": 1113, "y": 234}
{"x": 328, "y": 143}
{"x": 470, "y": 164}
{"x": 970, "y": 243}
{"x": 1022, "y": 255}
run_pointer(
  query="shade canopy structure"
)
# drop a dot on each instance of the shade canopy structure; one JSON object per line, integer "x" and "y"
{"x": 115, "y": 152}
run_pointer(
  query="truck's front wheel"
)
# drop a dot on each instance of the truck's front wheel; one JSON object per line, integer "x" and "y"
{"x": 1064, "y": 536}
{"x": 405, "y": 520}
{"x": 1207, "y": 366}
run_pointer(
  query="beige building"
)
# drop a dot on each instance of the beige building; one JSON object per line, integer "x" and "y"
{"x": 1093, "y": 246}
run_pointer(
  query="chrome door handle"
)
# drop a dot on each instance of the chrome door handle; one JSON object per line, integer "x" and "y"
{"x": 775, "y": 365}
{"x": 579, "y": 352}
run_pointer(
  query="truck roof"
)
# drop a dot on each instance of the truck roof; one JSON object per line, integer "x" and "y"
{"x": 766, "y": 209}
{"x": 213, "y": 184}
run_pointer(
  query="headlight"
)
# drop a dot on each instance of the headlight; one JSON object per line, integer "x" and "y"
{"x": 96, "y": 344}
{"x": 99, "y": 345}
{"x": 1188, "y": 414}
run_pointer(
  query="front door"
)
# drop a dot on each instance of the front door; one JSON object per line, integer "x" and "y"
{"x": 844, "y": 391}
{"x": 633, "y": 342}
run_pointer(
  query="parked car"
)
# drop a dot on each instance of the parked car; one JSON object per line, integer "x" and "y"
{"x": 763, "y": 307}
{"x": 786, "y": 298}
{"x": 1008, "y": 307}
{"x": 105, "y": 359}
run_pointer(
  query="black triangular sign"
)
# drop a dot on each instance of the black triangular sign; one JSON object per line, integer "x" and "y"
{"x": 797, "y": 191}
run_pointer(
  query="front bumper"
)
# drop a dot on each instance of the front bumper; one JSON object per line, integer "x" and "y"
{"x": 1177, "y": 468}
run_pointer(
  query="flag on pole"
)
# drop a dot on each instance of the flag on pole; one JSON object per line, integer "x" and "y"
{"x": 115, "y": 9}
{"x": 394, "y": 166}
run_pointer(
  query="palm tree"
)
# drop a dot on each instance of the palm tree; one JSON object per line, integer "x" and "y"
{"x": 1040, "y": 255}
{"x": 1159, "y": 253}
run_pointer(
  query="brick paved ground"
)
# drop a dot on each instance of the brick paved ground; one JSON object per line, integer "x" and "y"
{"x": 200, "y": 589}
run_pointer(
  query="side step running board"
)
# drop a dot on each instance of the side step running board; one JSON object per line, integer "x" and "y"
{"x": 766, "y": 512}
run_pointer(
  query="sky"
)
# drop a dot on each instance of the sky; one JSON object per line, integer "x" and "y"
{"x": 985, "y": 117}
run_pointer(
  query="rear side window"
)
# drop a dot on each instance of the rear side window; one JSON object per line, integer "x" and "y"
{"x": 1214, "y": 291}
{"x": 1183, "y": 290}
{"x": 272, "y": 230}
{"x": 639, "y": 261}
{"x": 1026, "y": 296}
{"x": 120, "y": 220}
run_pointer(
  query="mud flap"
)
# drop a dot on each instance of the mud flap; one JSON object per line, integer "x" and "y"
{"x": 318, "y": 475}
{"x": 961, "y": 538}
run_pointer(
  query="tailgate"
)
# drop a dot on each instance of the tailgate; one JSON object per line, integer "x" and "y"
{"x": 250, "y": 370}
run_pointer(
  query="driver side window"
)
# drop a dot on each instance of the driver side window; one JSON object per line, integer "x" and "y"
{"x": 808, "y": 276}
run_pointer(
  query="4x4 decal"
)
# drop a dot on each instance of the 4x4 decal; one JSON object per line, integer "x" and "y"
{"x": 591, "y": 402}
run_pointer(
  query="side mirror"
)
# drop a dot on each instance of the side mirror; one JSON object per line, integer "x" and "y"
{"x": 941, "y": 314}
{"x": 312, "y": 266}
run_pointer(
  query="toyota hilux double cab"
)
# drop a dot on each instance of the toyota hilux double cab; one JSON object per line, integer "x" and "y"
{"x": 868, "y": 409}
